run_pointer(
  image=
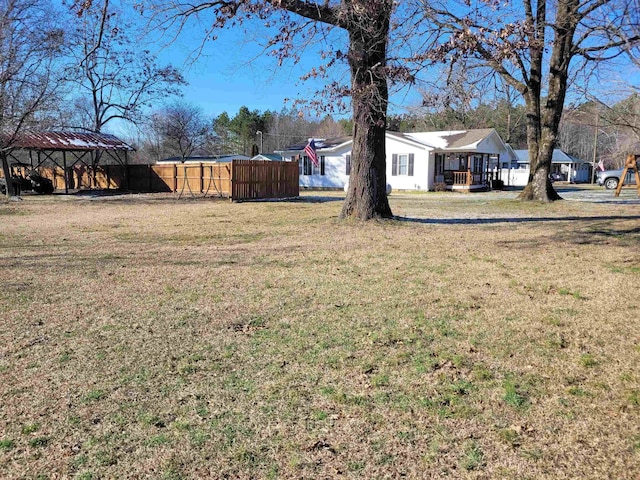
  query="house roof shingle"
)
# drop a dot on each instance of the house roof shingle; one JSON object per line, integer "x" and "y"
{"x": 321, "y": 144}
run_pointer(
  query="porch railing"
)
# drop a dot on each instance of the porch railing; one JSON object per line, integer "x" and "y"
{"x": 462, "y": 177}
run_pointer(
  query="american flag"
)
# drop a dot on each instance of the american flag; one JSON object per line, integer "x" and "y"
{"x": 310, "y": 151}
{"x": 601, "y": 165}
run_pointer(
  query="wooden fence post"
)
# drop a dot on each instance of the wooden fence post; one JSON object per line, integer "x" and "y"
{"x": 231, "y": 186}
{"x": 175, "y": 178}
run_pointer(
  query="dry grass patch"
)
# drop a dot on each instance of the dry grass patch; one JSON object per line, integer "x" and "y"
{"x": 147, "y": 337}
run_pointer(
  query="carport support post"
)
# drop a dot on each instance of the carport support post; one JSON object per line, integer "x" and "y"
{"x": 126, "y": 170}
{"x": 66, "y": 172}
{"x": 93, "y": 169}
{"x": 6, "y": 172}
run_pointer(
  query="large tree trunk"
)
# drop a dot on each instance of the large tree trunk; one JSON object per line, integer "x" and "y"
{"x": 539, "y": 187}
{"x": 367, "y": 196}
{"x": 541, "y": 142}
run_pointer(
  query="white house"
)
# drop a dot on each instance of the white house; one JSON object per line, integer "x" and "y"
{"x": 270, "y": 157}
{"x": 564, "y": 167}
{"x": 456, "y": 160}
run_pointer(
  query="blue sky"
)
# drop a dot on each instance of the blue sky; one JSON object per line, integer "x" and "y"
{"x": 231, "y": 72}
{"x": 220, "y": 81}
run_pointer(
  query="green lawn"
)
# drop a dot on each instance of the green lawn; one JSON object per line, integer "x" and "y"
{"x": 148, "y": 337}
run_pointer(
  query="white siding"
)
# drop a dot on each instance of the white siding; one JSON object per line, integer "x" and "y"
{"x": 334, "y": 171}
{"x": 518, "y": 177}
{"x": 581, "y": 172}
{"x": 494, "y": 146}
{"x": 515, "y": 177}
{"x": 422, "y": 165}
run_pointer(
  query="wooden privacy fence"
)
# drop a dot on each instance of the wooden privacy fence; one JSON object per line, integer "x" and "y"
{"x": 237, "y": 180}
{"x": 253, "y": 179}
{"x": 80, "y": 176}
{"x": 188, "y": 178}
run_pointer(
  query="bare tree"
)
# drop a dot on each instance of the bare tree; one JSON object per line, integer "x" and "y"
{"x": 116, "y": 78}
{"x": 29, "y": 49}
{"x": 536, "y": 46}
{"x": 181, "y": 130}
{"x": 328, "y": 128}
{"x": 285, "y": 128}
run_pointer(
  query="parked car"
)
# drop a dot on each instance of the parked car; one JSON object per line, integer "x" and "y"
{"x": 611, "y": 178}
{"x": 555, "y": 177}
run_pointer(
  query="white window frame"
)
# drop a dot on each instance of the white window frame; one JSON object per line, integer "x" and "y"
{"x": 405, "y": 165}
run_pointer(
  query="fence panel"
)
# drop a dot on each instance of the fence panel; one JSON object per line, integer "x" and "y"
{"x": 254, "y": 179}
{"x": 163, "y": 178}
{"x": 216, "y": 179}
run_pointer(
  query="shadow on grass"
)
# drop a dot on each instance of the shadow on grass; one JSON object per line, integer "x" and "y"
{"x": 576, "y": 188}
{"x": 491, "y": 221}
{"x": 582, "y": 232}
{"x": 302, "y": 199}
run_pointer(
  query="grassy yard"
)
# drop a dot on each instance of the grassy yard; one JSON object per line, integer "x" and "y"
{"x": 480, "y": 337}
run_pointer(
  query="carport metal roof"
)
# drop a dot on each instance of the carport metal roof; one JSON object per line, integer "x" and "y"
{"x": 83, "y": 147}
{"x": 70, "y": 141}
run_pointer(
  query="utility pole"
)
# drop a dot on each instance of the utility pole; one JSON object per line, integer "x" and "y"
{"x": 595, "y": 150}
{"x": 261, "y": 141}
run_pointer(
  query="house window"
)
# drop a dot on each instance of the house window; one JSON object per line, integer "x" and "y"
{"x": 477, "y": 164}
{"x": 308, "y": 168}
{"x": 402, "y": 164}
{"x": 348, "y": 165}
{"x": 439, "y": 163}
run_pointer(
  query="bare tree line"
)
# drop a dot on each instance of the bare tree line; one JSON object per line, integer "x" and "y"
{"x": 181, "y": 130}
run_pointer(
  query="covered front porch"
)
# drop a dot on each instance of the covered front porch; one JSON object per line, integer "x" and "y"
{"x": 465, "y": 171}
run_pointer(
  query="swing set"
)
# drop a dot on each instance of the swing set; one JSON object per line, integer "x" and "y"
{"x": 630, "y": 165}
